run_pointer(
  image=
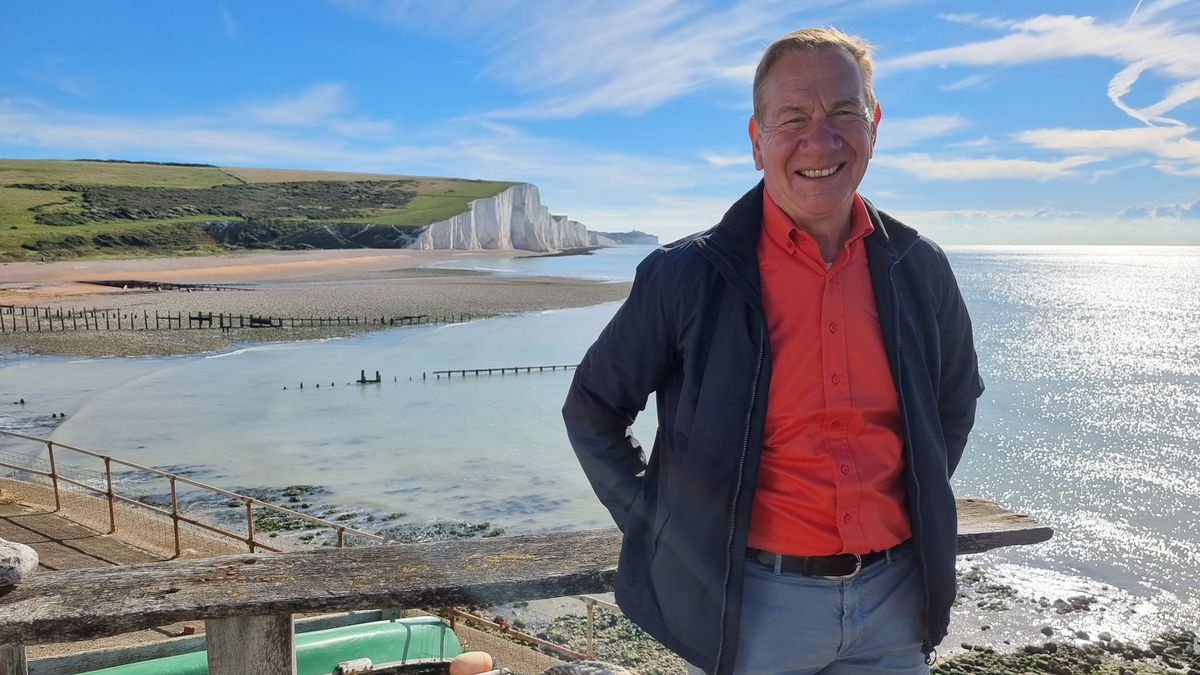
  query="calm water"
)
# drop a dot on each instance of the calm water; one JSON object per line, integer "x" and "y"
{"x": 1091, "y": 419}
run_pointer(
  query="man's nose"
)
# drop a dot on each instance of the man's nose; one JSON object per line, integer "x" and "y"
{"x": 822, "y": 135}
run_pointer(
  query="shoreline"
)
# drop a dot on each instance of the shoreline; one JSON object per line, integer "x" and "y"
{"x": 356, "y": 283}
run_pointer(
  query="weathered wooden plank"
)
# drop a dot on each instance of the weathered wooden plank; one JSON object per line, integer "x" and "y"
{"x": 984, "y": 525}
{"x": 12, "y": 660}
{"x": 263, "y": 645}
{"x": 80, "y": 604}
{"x": 68, "y": 605}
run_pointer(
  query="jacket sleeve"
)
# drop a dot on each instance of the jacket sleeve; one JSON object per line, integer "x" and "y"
{"x": 627, "y": 362}
{"x": 960, "y": 384}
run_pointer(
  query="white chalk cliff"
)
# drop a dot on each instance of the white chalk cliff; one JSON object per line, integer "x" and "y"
{"x": 513, "y": 219}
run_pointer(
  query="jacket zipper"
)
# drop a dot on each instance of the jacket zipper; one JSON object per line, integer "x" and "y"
{"x": 926, "y": 643}
{"x": 737, "y": 492}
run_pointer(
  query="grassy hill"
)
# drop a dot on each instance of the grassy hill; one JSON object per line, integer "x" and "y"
{"x": 58, "y": 208}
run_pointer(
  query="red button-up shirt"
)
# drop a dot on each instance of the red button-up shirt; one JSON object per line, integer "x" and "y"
{"x": 830, "y": 478}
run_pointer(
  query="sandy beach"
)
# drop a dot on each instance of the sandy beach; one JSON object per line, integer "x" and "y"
{"x": 354, "y": 283}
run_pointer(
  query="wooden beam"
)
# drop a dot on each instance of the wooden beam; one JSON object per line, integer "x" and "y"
{"x": 68, "y": 605}
{"x": 263, "y": 645}
{"x": 12, "y": 660}
{"x": 984, "y": 525}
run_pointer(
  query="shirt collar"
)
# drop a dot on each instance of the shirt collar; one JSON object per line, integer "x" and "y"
{"x": 779, "y": 227}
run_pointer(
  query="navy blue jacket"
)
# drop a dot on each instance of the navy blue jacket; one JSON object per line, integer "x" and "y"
{"x": 693, "y": 332}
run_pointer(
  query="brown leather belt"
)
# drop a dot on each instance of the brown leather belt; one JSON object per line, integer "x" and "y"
{"x": 842, "y": 566}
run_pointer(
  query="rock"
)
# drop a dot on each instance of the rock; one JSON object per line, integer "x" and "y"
{"x": 17, "y": 562}
{"x": 1047, "y": 631}
{"x": 1104, "y": 636}
{"x": 1082, "y": 635}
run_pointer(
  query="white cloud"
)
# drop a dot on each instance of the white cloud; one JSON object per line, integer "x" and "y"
{"x": 1134, "y": 226}
{"x": 603, "y": 55}
{"x": 1177, "y": 211}
{"x": 228, "y": 23}
{"x": 735, "y": 159}
{"x": 1170, "y": 144}
{"x": 1159, "y": 38}
{"x": 926, "y": 167}
{"x": 901, "y": 132}
{"x": 314, "y": 105}
{"x": 964, "y": 83}
{"x": 1151, "y": 43}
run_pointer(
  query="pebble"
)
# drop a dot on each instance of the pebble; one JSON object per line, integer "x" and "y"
{"x": 17, "y": 562}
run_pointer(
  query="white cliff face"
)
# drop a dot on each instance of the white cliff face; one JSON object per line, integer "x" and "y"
{"x": 512, "y": 219}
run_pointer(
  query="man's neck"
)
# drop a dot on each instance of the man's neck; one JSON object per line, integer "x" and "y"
{"x": 830, "y": 234}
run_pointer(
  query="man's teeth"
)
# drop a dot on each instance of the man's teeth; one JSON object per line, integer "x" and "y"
{"x": 820, "y": 173}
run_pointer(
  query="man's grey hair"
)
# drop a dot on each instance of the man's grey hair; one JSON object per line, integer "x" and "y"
{"x": 815, "y": 40}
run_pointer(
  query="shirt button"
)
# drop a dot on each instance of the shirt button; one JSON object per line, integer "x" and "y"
{"x": 835, "y": 424}
{"x": 848, "y": 518}
{"x": 833, "y": 328}
{"x": 835, "y": 379}
{"x": 845, "y": 470}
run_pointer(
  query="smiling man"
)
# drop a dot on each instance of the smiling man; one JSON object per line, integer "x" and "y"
{"x": 815, "y": 380}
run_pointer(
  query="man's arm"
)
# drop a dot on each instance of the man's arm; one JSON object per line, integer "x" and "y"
{"x": 960, "y": 383}
{"x": 627, "y": 362}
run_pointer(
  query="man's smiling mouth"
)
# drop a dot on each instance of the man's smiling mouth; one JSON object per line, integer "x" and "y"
{"x": 820, "y": 173}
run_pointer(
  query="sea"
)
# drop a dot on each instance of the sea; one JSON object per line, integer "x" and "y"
{"x": 1090, "y": 422}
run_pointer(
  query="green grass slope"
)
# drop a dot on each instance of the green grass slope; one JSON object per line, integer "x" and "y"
{"x": 85, "y": 208}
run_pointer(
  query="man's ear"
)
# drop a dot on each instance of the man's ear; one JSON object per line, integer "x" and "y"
{"x": 878, "y": 115}
{"x": 752, "y": 129}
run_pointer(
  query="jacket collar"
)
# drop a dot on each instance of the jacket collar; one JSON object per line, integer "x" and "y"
{"x": 733, "y": 243}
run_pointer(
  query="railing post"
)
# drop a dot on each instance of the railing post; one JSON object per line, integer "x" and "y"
{"x": 341, "y": 536}
{"x": 591, "y": 605}
{"x": 250, "y": 523}
{"x": 54, "y": 475}
{"x": 263, "y": 645}
{"x": 175, "y": 516}
{"x": 12, "y": 660}
{"x": 112, "y": 510}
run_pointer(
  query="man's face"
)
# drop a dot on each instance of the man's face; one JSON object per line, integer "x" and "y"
{"x": 815, "y": 134}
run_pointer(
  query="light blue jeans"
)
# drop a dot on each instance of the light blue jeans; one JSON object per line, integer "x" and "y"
{"x": 809, "y": 625}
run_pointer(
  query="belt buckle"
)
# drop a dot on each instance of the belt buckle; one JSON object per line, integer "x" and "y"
{"x": 846, "y": 577}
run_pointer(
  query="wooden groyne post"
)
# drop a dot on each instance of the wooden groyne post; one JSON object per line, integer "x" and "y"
{"x": 247, "y": 601}
{"x": 463, "y": 372}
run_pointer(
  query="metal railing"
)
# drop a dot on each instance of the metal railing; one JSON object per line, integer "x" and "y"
{"x": 109, "y": 493}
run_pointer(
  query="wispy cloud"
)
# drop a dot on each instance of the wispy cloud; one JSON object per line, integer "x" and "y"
{"x": 228, "y": 23}
{"x": 312, "y": 106}
{"x": 1183, "y": 211}
{"x": 592, "y": 56}
{"x": 927, "y": 167}
{"x": 1147, "y": 42}
{"x": 903, "y": 132}
{"x": 1175, "y": 152}
{"x": 1157, "y": 39}
{"x": 965, "y": 83}
{"x": 735, "y": 159}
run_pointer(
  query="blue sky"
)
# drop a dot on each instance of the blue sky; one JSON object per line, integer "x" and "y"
{"x": 1018, "y": 122}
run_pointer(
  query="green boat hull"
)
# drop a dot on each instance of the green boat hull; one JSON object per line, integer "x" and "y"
{"x": 318, "y": 652}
